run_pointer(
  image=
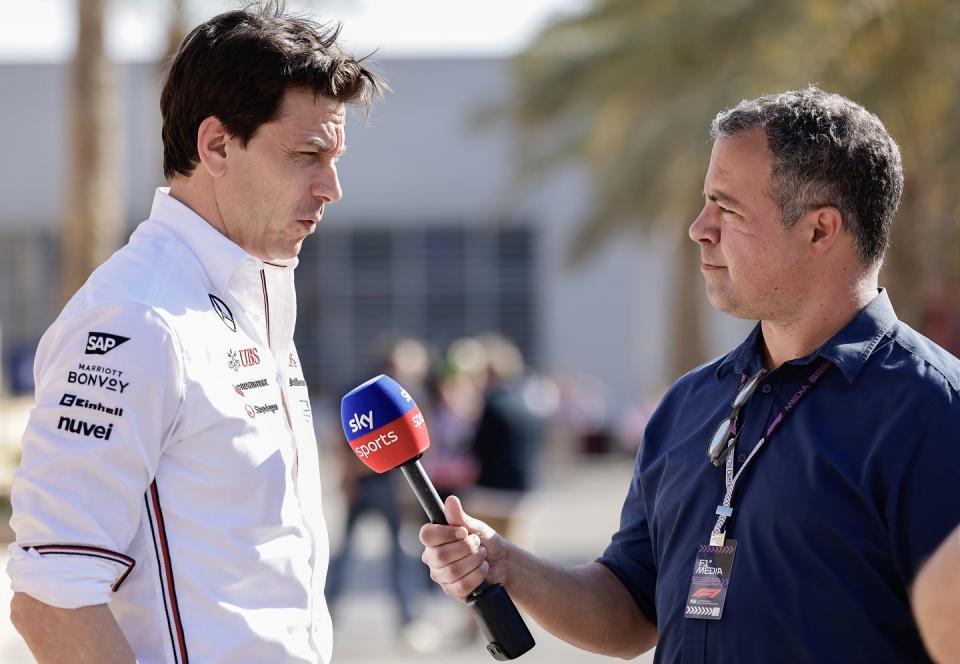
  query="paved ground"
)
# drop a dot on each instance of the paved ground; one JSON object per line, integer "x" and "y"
{"x": 570, "y": 520}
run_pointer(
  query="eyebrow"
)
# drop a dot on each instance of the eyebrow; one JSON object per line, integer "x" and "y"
{"x": 323, "y": 145}
{"x": 721, "y": 197}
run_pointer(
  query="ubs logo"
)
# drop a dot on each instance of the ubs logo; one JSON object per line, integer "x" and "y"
{"x": 246, "y": 357}
{"x": 223, "y": 311}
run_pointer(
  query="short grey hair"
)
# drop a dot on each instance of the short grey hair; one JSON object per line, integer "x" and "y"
{"x": 827, "y": 150}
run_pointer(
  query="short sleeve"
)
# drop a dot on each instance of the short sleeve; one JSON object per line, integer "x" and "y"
{"x": 108, "y": 390}
{"x": 920, "y": 508}
{"x": 630, "y": 552}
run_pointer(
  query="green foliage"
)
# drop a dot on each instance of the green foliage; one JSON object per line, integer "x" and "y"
{"x": 628, "y": 90}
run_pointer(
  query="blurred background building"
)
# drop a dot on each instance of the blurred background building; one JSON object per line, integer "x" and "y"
{"x": 531, "y": 174}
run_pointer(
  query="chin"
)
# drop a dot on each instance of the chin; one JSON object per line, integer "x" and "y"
{"x": 727, "y": 304}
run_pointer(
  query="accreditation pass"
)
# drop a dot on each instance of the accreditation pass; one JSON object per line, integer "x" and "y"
{"x": 711, "y": 578}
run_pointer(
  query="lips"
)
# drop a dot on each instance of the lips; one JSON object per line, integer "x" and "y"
{"x": 707, "y": 267}
{"x": 309, "y": 225}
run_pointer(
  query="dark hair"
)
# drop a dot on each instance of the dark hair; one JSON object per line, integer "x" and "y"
{"x": 827, "y": 150}
{"x": 238, "y": 65}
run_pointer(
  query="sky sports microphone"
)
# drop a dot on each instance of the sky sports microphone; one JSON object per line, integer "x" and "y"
{"x": 386, "y": 430}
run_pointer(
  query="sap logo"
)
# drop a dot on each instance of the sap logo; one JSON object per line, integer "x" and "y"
{"x": 361, "y": 421}
{"x": 375, "y": 445}
{"x": 101, "y": 343}
{"x": 103, "y": 382}
{"x": 84, "y": 429}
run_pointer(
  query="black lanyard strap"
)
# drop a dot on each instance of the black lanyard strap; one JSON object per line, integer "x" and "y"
{"x": 725, "y": 509}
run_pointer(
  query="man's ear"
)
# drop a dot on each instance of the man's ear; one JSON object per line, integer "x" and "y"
{"x": 825, "y": 224}
{"x": 212, "y": 141}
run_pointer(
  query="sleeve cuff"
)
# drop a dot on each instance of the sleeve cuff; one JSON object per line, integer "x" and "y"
{"x": 633, "y": 576}
{"x": 67, "y": 576}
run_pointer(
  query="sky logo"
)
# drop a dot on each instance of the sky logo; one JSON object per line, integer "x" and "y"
{"x": 361, "y": 421}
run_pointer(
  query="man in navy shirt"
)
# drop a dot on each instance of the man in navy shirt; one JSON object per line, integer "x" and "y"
{"x": 832, "y": 430}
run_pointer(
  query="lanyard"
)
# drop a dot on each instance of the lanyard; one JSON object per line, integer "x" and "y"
{"x": 725, "y": 510}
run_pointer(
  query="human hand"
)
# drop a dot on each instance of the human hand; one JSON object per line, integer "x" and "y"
{"x": 464, "y": 553}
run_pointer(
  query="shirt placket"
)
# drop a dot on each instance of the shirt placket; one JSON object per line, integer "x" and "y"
{"x": 754, "y": 418}
{"x": 280, "y": 318}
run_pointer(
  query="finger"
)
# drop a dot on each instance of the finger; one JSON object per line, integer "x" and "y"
{"x": 434, "y": 535}
{"x": 445, "y": 554}
{"x": 459, "y": 569}
{"x": 462, "y": 587}
{"x": 454, "y": 511}
{"x": 457, "y": 516}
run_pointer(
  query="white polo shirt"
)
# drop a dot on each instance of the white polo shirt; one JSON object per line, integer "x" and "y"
{"x": 170, "y": 466}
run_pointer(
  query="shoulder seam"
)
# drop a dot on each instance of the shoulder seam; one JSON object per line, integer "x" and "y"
{"x": 913, "y": 351}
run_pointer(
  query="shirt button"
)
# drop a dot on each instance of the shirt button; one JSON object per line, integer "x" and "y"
{"x": 741, "y": 457}
{"x": 767, "y": 389}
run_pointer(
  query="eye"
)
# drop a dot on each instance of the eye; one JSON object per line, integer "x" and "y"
{"x": 726, "y": 211}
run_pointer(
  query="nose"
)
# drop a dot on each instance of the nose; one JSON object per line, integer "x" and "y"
{"x": 705, "y": 229}
{"x": 326, "y": 186}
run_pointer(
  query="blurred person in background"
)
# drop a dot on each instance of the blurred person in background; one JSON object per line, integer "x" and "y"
{"x": 167, "y": 507}
{"x": 786, "y": 493}
{"x": 456, "y": 402}
{"x": 936, "y": 600}
{"x": 407, "y": 361}
{"x": 509, "y": 437}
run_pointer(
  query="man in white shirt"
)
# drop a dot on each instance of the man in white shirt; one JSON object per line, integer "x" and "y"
{"x": 167, "y": 507}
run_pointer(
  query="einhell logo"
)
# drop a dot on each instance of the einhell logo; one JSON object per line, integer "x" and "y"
{"x": 72, "y": 400}
{"x": 101, "y": 343}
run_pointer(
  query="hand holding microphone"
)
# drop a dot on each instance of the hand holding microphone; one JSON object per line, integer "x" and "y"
{"x": 386, "y": 430}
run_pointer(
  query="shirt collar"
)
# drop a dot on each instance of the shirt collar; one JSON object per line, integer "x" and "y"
{"x": 219, "y": 256}
{"x": 848, "y": 349}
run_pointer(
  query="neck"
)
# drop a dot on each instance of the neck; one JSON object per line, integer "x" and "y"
{"x": 197, "y": 196}
{"x": 815, "y": 323}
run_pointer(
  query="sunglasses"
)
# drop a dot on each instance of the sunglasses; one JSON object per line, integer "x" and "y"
{"x": 721, "y": 440}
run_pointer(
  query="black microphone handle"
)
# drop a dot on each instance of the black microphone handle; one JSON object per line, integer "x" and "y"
{"x": 496, "y": 613}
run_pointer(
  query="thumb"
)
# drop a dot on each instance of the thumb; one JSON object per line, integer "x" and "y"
{"x": 456, "y": 516}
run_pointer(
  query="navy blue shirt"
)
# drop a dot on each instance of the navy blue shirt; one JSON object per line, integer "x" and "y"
{"x": 832, "y": 518}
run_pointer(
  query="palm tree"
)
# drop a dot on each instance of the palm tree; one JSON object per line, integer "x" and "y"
{"x": 628, "y": 89}
{"x": 93, "y": 220}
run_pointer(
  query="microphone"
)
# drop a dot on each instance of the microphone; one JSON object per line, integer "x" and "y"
{"x": 386, "y": 430}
